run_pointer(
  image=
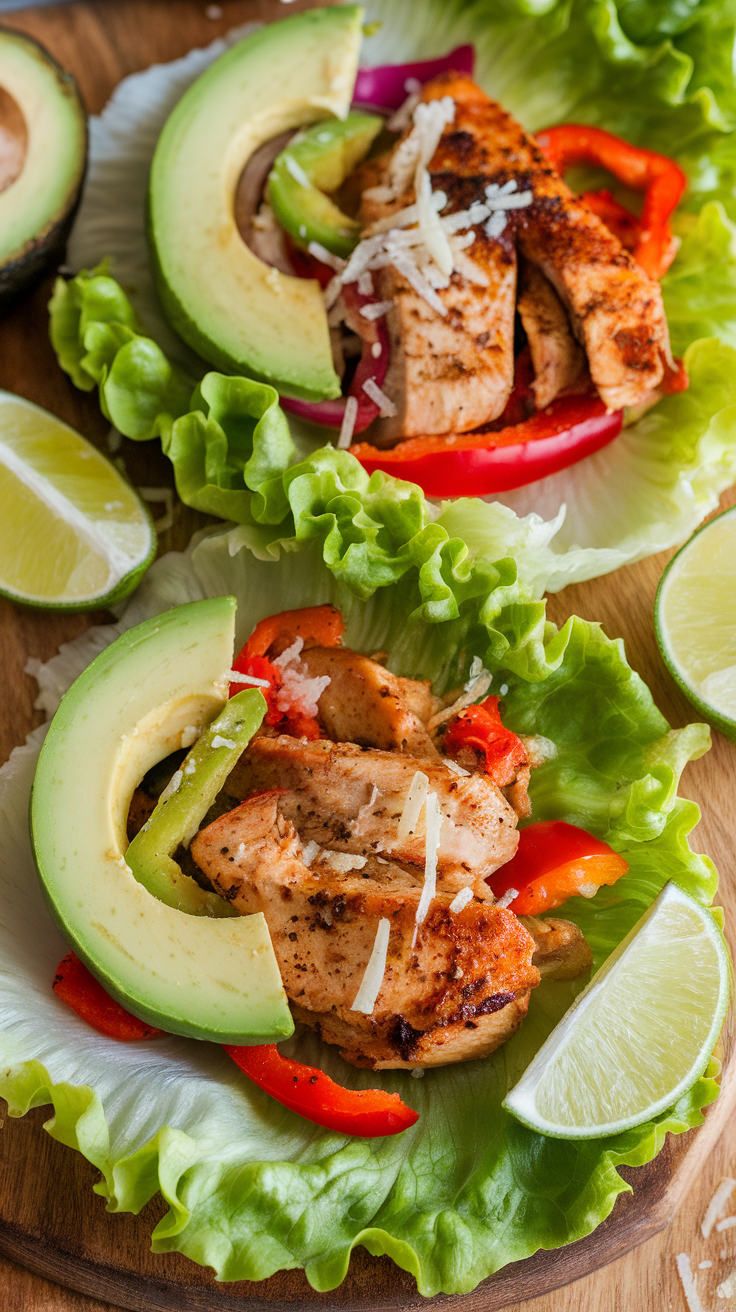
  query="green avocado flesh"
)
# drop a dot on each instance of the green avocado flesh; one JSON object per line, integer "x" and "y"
{"x": 151, "y": 693}
{"x": 318, "y": 160}
{"x": 43, "y": 161}
{"x": 185, "y": 802}
{"x": 240, "y": 314}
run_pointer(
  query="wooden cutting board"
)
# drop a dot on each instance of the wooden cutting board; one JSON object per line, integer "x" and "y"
{"x": 50, "y": 1221}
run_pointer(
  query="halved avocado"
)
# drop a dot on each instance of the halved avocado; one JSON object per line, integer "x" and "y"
{"x": 149, "y": 694}
{"x": 237, "y": 312}
{"x": 43, "y": 155}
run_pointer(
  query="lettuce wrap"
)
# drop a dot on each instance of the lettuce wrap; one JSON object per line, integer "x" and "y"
{"x": 656, "y": 71}
{"x": 250, "y": 1187}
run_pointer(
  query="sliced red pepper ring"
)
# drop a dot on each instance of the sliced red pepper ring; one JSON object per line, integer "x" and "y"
{"x": 78, "y": 988}
{"x": 480, "y": 728}
{"x": 477, "y": 464}
{"x": 555, "y": 861}
{"x": 306, "y": 1090}
{"x": 658, "y": 176}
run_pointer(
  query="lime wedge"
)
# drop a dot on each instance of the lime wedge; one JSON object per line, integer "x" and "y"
{"x": 695, "y": 620}
{"x": 73, "y": 533}
{"x": 639, "y": 1035}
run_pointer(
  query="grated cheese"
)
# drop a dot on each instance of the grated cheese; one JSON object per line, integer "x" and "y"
{"x": 717, "y": 1205}
{"x": 727, "y": 1223}
{"x": 433, "y": 821}
{"x": 415, "y": 799}
{"x": 689, "y": 1283}
{"x": 456, "y": 769}
{"x": 365, "y": 998}
{"x": 507, "y": 898}
{"x": 385, "y": 405}
{"x": 309, "y": 852}
{"x": 172, "y": 785}
{"x": 235, "y": 676}
{"x": 342, "y": 862}
{"x": 376, "y": 350}
{"x": 322, "y": 254}
{"x": 347, "y": 427}
{"x": 219, "y": 741}
{"x": 461, "y": 900}
{"x": 727, "y": 1287}
{"x": 376, "y": 310}
{"x": 365, "y": 284}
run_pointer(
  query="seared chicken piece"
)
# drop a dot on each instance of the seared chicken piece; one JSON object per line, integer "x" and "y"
{"x": 366, "y": 704}
{"x": 557, "y": 358}
{"x": 615, "y": 308}
{"x": 457, "y": 992}
{"x": 561, "y": 950}
{"x": 352, "y": 799}
{"x": 452, "y": 372}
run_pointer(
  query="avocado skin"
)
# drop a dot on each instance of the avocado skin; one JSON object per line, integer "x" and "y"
{"x": 45, "y": 250}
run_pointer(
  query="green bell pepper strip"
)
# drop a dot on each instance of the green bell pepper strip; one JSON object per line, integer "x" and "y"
{"x": 185, "y": 802}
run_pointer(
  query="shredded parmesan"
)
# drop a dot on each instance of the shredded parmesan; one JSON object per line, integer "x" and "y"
{"x": 309, "y": 852}
{"x": 385, "y": 405}
{"x": 507, "y": 898}
{"x": 235, "y": 676}
{"x": 456, "y": 769}
{"x": 477, "y": 686}
{"x": 433, "y": 821}
{"x": 342, "y": 862}
{"x": 727, "y": 1223}
{"x": 365, "y": 998}
{"x": 718, "y": 1205}
{"x": 219, "y": 741}
{"x": 171, "y": 786}
{"x": 689, "y": 1283}
{"x": 461, "y": 900}
{"x": 376, "y": 310}
{"x": 365, "y": 284}
{"x": 324, "y": 256}
{"x": 376, "y": 350}
{"x": 415, "y": 799}
{"x": 347, "y": 427}
{"x": 727, "y": 1287}
{"x": 704, "y": 1266}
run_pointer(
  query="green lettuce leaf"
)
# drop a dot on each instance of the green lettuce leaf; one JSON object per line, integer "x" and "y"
{"x": 250, "y": 1187}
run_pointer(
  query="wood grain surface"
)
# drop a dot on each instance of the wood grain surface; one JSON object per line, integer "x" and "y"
{"x": 50, "y": 1221}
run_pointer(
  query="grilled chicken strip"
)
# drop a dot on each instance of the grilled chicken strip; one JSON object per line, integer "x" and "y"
{"x": 457, "y": 992}
{"x": 366, "y": 704}
{"x": 452, "y": 372}
{"x": 351, "y": 799}
{"x": 615, "y": 308}
{"x": 557, "y": 358}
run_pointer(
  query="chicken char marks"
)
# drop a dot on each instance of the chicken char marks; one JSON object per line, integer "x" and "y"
{"x": 615, "y": 308}
{"x": 457, "y": 992}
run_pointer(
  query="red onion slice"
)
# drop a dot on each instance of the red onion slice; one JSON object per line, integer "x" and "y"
{"x": 385, "y": 87}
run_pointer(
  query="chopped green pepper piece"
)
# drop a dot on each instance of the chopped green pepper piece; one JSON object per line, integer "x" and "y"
{"x": 316, "y": 161}
{"x": 184, "y": 803}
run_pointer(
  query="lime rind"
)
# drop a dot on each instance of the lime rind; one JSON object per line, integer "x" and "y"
{"x": 716, "y": 715}
{"x": 523, "y": 1101}
{"x": 65, "y": 503}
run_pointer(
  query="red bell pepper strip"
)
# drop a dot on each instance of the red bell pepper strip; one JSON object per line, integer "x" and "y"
{"x": 78, "y": 988}
{"x": 555, "y": 861}
{"x": 322, "y": 625}
{"x": 476, "y": 464}
{"x": 658, "y": 176}
{"x": 306, "y": 1090}
{"x": 480, "y": 728}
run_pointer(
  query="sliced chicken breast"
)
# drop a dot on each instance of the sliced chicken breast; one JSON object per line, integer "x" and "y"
{"x": 454, "y": 987}
{"x": 615, "y": 308}
{"x": 558, "y": 360}
{"x": 366, "y": 704}
{"x": 352, "y": 799}
{"x": 452, "y": 372}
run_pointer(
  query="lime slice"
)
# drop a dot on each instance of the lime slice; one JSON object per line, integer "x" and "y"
{"x": 695, "y": 620}
{"x": 639, "y": 1035}
{"x": 73, "y": 533}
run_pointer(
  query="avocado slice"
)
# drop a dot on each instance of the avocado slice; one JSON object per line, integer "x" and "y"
{"x": 151, "y": 693}
{"x": 316, "y": 161}
{"x": 237, "y": 312}
{"x": 43, "y": 134}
